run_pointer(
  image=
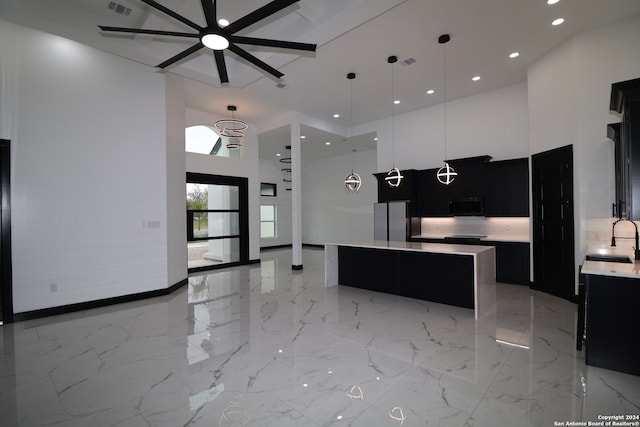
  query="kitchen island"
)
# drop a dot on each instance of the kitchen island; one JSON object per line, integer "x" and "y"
{"x": 460, "y": 275}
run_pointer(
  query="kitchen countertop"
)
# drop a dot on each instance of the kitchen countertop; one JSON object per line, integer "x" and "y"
{"x": 615, "y": 269}
{"x": 488, "y": 238}
{"x": 443, "y": 248}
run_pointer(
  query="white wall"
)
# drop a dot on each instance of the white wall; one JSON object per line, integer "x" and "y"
{"x": 493, "y": 123}
{"x": 176, "y": 180}
{"x": 329, "y": 212}
{"x": 271, "y": 173}
{"x": 569, "y": 92}
{"x": 247, "y": 167}
{"x": 89, "y": 178}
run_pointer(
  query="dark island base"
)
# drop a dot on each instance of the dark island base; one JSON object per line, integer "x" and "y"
{"x": 437, "y": 277}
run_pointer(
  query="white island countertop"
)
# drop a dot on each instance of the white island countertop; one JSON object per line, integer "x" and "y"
{"x": 441, "y": 248}
{"x": 514, "y": 238}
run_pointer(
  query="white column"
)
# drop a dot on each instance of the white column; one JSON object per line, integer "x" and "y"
{"x": 296, "y": 196}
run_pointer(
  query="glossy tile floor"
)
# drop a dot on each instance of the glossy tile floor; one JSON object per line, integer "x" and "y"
{"x": 261, "y": 345}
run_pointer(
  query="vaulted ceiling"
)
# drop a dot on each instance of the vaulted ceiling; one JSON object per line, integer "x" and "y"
{"x": 352, "y": 36}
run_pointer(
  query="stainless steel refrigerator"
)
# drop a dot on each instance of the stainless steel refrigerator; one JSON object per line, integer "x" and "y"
{"x": 391, "y": 222}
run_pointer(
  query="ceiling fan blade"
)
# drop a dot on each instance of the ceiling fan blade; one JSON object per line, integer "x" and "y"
{"x": 196, "y": 47}
{"x": 258, "y": 15}
{"x": 143, "y": 31}
{"x": 172, "y": 14}
{"x": 222, "y": 66}
{"x": 273, "y": 43}
{"x": 209, "y": 9}
{"x": 255, "y": 61}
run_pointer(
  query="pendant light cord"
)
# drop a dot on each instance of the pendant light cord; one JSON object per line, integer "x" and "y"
{"x": 393, "y": 118}
{"x": 444, "y": 94}
{"x": 351, "y": 120}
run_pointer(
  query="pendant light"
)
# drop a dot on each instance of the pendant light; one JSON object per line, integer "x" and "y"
{"x": 446, "y": 174}
{"x": 394, "y": 177}
{"x": 232, "y": 129}
{"x": 353, "y": 181}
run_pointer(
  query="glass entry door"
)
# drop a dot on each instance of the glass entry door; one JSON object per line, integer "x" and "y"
{"x": 217, "y": 229}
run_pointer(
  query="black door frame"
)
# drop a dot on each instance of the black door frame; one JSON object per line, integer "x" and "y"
{"x": 243, "y": 188}
{"x": 568, "y": 258}
{"x": 6, "y": 287}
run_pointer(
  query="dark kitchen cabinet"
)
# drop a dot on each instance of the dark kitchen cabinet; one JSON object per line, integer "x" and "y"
{"x": 366, "y": 268}
{"x": 470, "y": 179}
{"x": 614, "y": 133}
{"x": 432, "y": 196}
{"x": 507, "y": 188}
{"x": 612, "y": 323}
{"x": 625, "y": 99}
{"x": 512, "y": 262}
{"x": 423, "y": 275}
{"x": 405, "y": 192}
{"x": 430, "y": 276}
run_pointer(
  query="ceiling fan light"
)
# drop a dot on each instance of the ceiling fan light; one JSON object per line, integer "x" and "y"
{"x": 215, "y": 41}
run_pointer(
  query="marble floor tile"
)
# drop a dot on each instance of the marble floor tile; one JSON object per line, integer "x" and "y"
{"x": 262, "y": 345}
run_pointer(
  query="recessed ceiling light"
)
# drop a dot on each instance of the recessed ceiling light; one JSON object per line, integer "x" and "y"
{"x": 278, "y": 155}
{"x": 558, "y": 21}
{"x": 302, "y": 137}
{"x": 223, "y": 22}
{"x": 397, "y": 101}
{"x": 335, "y": 116}
{"x": 476, "y": 78}
{"x": 552, "y": 1}
{"x": 375, "y": 139}
{"x": 431, "y": 91}
{"x": 514, "y": 54}
{"x": 327, "y": 143}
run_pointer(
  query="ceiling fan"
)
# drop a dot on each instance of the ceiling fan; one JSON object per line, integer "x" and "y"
{"x": 218, "y": 38}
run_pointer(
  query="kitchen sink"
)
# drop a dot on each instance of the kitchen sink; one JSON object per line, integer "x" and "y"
{"x": 608, "y": 258}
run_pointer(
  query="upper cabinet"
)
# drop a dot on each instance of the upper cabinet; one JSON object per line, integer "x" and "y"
{"x": 406, "y": 191}
{"x": 470, "y": 179}
{"x": 507, "y": 188}
{"x": 432, "y": 196}
{"x": 625, "y": 99}
{"x": 482, "y": 187}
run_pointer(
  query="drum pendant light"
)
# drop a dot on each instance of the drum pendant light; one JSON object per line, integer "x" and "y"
{"x": 446, "y": 174}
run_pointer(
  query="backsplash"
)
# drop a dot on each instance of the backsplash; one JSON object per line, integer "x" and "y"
{"x": 599, "y": 232}
{"x": 516, "y": 229}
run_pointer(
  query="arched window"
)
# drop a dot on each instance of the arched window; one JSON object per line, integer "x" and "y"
{"x": 204, "y": 140}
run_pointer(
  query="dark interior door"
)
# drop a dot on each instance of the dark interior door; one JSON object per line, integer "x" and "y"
{"x": 6, "y": 298}
{"x": 553, "y": 235}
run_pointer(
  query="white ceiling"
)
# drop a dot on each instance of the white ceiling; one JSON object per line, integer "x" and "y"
{"x": 352, "y": 36}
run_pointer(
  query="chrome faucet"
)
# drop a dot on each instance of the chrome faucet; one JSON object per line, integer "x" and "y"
{"x": 636, "y": 250}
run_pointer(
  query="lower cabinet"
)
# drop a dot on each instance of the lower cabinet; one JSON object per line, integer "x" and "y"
{"x": 513, "y": 263}
{"x": 424, "y": 276}
{"x": 372, "y": 269}
{"x": 612, "y": 340}
{"x": 442, "y": 278}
